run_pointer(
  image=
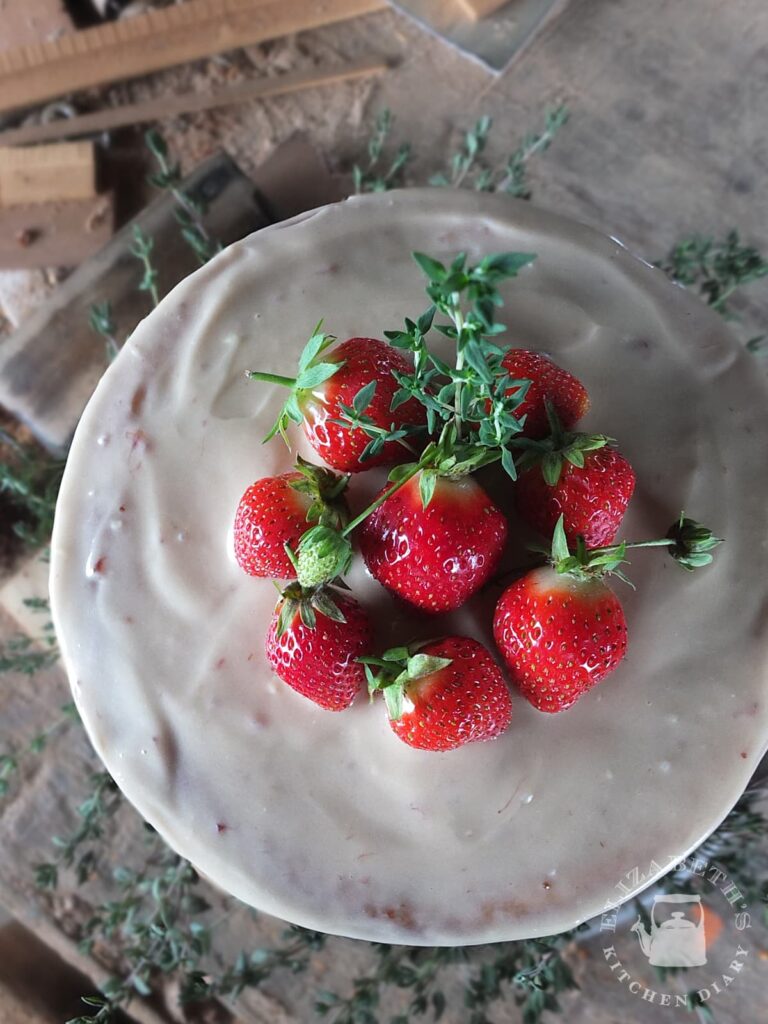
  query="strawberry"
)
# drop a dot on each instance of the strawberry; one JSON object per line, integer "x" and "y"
{"x": 277, "y": 510}
{"x": 577, "y": 476}
{"x": 442, "y": 694}
{"x": 434, "y": 541}
{"x": 561, "y": 630}
{"x": 559, "y": 636}
{"x": 547, "y": 381}
{"x": 314, "y": 641}
{"x": 590, "y": 487}
{"x": 344, "y": 403}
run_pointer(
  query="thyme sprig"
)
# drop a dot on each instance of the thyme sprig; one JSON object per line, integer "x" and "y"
{"x": 190, "y": 209}
{"x": 11, "y": 759}
{"x": 142, "y": 248}
{"x": 715, "y": 268}
{"x": 375, "y": 175}
{"x": 77, "y": 850}
{"x": 466, "y": 167}
{"x": 465, "y": 159}
{"x": 31, "y": 479}
{"x": 102, "y": 322}
{"x": 471, "y": 404}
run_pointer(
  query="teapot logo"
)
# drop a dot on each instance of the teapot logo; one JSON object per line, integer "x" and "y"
{"x": 676, "y": 940}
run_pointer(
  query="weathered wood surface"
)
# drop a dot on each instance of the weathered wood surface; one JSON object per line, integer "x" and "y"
{"x": 43, "y": 174}
{"x": 49, "y": 368}
{"x": 55, "y": 234}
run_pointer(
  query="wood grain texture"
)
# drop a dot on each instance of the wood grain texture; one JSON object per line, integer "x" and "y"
{"x": 43, "y": 174}
{"x": 158, "y": 39}
{"x": 61, "y": 234}
{"x": 171, "y": 106}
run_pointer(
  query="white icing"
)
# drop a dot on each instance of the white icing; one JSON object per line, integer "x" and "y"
{"x": 326, "y": 819}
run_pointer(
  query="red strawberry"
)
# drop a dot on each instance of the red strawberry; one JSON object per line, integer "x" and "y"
{"x": 434, "y": 557}
{"x": 548, "y": 381}
{"x": 591, "y": 497}
{"x": 325, "y": 392}
{"x": 277, "y": 510}
{"x": 559, "y": 636}
{"x": 442, "y": 694}
{"x": 313, "y": 644}
{"x": 560, "y": 629}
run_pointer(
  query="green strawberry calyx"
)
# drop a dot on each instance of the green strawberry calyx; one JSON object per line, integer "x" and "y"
{"x": 311, "y": 374}
{"x": 688, "y": 542}
{"x": 561, "y": 446}
{"x": 397, "y": 669}
{"x": 306, "y": 602}
{"x": 692, "y": 544}
{"x": 325, "y": 488}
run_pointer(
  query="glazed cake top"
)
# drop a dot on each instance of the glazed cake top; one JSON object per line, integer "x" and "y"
{"x": 328, "y": 820}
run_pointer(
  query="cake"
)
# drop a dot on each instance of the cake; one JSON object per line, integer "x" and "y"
{"x": 327, "y": 820}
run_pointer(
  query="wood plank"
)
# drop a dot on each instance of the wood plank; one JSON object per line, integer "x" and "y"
{"x": 159, "y": 39}
{"x": 54, "y": 234}
{"x": 49, "y": 367}
{"x": 42, "y": 174}
{"x": 477, "y": 9}
{"x": 171, "y": 106}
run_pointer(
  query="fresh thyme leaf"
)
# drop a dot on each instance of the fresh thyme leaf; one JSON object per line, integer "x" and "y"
{"x": 514, "y": 179}
{"x": 30, "y": 479}
{"x": 715, "y": 268}
{"x": 190, "y": 209}
{"x": 375, "y": 176}
{"x": 364, "y": 397}
{"x": 142, "y": 249}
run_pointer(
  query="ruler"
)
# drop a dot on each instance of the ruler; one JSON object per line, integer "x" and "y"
{"x": 158, "y": 39}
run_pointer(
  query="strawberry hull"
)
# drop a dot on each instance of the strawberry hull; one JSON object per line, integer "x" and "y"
{"x": 435, "y": 558}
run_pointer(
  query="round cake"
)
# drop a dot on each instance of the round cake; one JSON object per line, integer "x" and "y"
{"x": 326, "y": 819}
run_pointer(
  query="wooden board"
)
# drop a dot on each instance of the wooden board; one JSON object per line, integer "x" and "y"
{"x": 43, "y": 174}
{"x": 54, "y": 234}
{"x": 158, "y": 39}
{"x": 49, "y": 367}
{"x": 171, "y": 106}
